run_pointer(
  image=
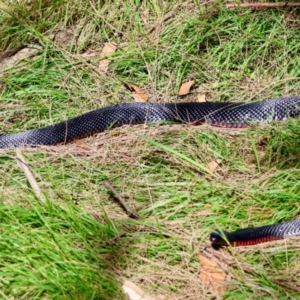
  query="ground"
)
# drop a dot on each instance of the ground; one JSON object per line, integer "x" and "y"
{"x": 81, "y": 244}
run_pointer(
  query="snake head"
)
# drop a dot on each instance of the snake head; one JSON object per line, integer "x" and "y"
{"x": 219, "y": 239}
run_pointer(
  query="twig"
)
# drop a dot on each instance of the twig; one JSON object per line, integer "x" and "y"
{"x": 263, "y": 5}
{"x": 121, "y": 200}
{"x": 29, "y": 176}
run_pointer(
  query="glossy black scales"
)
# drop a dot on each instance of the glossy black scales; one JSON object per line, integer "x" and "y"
{"x": 215, "y": 113}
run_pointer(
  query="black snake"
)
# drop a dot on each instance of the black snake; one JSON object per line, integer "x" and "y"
{"x": 229, "y": 115}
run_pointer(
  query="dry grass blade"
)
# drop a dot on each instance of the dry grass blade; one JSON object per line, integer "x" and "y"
{"x": 26, "y": 169}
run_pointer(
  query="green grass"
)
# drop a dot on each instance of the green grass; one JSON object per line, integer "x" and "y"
{"x": 51, "y": 252}
{"x": 81, "y": 244}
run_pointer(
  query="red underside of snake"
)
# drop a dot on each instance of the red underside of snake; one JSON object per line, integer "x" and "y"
{"x": 229, "y": 115}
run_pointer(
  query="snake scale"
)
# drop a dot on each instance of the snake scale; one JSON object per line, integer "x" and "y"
{"x": 230, "y": 115}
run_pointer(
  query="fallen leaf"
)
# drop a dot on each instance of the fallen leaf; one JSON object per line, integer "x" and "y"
{"x": 211, "y": 275}
{"x": 66, "y": 37}
{"x": 138, "y": 93}
{"x": 11, "y": 58}
{"x": 185, "y": 88}
{"x": 135, "y": 293}
{"x": 212, "y": 166}
{"x": 201, "y": 98}
{"x": 82, "y": 149}
{"x": 89, "y": 53}
{"x": 108, "y": 49}
{"x": 202, "y": 91}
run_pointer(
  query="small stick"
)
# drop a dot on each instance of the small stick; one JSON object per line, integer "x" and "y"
{"x": 121, "y": 200}
{"x": 263, "y": 5}
{"x": 29, "y": 176}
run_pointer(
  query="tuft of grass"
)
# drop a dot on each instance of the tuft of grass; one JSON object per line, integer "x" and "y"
{"x": 54, "y": 252}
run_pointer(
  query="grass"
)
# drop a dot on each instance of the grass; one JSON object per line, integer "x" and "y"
{"x": 54, "y": 252}
{"x": 81, "y": 245}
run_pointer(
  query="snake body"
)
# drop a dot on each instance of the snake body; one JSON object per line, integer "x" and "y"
{"x": 214, "y": 113}
{"x": 255, "y": 235}
{"x": 231, "y": 115}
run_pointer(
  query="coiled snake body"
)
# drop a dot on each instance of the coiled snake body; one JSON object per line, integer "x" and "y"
{"x": 215, "y": 113}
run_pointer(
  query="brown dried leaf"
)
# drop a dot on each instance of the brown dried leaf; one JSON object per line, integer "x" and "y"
{"x": 13, "y": 57}
{"x": 65, "y": 37}
{"x": 185, "y": 88}
{"x": 211, "y": 275}
{"x": 212, "y": 166}
{"x": 108, "y": 49}
{"x": 133, "y": 292}
{"x": 138, "y": 93}
{"x": 201, "y": 98}
{"x": 89, "y": 53}
{"x": 82, "y": 149}
{"x": 202, "y": 91}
